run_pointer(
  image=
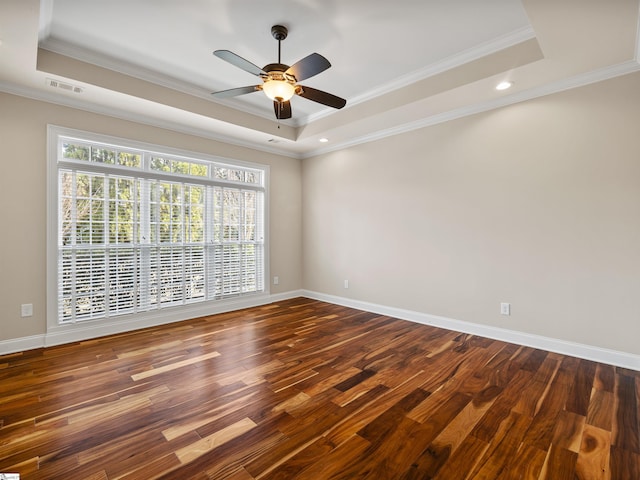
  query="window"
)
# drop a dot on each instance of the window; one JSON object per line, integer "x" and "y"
{"x": 139, "y": 230}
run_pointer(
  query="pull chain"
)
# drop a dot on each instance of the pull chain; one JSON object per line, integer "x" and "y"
{"x": 279, "y": 104}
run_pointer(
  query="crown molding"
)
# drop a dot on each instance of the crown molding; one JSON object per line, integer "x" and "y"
{"x": 492, "y": 46}
{"x": 145, "y": 74}
{"x": 68, "y": 101}
{"x": 543, "y": 90}
{"x": 495, "y": 45}
{"x": 576, "y": 81}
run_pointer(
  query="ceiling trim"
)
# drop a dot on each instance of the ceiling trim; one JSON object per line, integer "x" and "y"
{"x": 456, "y": 60}
{"x": 487, "y": 48}
{"x": 44, "y": 19}
{"x": 147, "y": 75}
{"x": 68, "y": 101}
{"x": 544, "y": 90}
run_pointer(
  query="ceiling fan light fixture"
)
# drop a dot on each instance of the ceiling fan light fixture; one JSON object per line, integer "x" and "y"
{"x": 280, "y": 81}
{"x": 278, "y": 90}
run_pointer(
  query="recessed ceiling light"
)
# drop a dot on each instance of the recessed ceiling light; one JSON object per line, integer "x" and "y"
{"x": 323, "y": 140}
{"x": 504, "y": 85}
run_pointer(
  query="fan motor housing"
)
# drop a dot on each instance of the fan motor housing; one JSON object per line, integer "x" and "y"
{"x": 275, "y": 67}
{"x": 277, "y": 71}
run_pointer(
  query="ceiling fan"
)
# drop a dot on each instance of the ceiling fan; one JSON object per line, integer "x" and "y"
{"x": 280, "y": 81}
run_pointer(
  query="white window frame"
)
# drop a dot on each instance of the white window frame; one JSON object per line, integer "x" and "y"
{"x": 60, "y": 332}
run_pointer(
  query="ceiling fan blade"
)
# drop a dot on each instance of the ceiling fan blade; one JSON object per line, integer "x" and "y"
{"x": 321, "y": 97}
{"x": 308, "y": 67}
{"x": 234, "y": 92}
{"x": 239, "y": 62}
{"x": 282, "y": 109}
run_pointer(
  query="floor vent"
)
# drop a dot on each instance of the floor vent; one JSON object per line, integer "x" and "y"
{"x": 63, "y": 86}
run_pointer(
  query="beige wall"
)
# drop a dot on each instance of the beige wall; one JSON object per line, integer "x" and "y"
{"x": 23, "y": 129}
{"x": 536, "y": 204}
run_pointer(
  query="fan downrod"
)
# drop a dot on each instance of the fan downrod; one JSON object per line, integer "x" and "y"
{"x": 279, "y": 32}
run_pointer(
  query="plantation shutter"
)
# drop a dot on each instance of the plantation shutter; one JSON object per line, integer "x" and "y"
{"x": 138, "y": 231}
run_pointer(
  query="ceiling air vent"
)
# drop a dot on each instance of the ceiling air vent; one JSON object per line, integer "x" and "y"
{"x": 63, "y": 86}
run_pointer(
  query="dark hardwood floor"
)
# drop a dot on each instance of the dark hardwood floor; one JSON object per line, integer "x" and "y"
{"x": 308, "y": 390}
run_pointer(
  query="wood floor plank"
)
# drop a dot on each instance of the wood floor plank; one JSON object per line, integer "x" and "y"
{"x": 593, "y": 457}
{"x": 535, "y": 391}
{"x": 150, "y": 469}
{"x": 568, "y": 431}
{"x": 364, "y": 409}
{"x": 388, "y": 420}
{"x": 503, "y": 447}
{"x": 204, "y": 445}
{"x": 559, "y": 465}
{"x": 626, "y": 405}
{"x": 229, "y": 457}
{"x": 624, "y": 464}
{"x": 541, "y": 431}
{"x": 601, "y": 408}
{"x": 526, "y": 464}
{"x": 604, "y": 378}
{"x": 293, "y": 461}
{"x": 489, "y": 424}
{"x": 385, "y": 457}
{"x": 337, "y": 464}
{"x": 173, "y": 366}
{"x": 303, "y": 389}
{"x": 453, "y": 435}
{"x": 461, "y": 463}
{"x": 193, "y": 423}
{"x": 328, "y": 377}
{"x": 580, "y": 393}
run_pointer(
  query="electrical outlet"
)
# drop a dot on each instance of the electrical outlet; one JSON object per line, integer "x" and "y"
{"x": 505, "y": 309}
{"x": 346, "y": 284}
{"x": 276, "y": 280}
{"x": 26, "y": 310}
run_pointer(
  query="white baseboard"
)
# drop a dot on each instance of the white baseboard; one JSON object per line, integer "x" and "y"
{"x": 62, "y": 334}
{"x": 588, "y": 352}
{"x": 279, "y": 297}
{"x": 21, "y": 344}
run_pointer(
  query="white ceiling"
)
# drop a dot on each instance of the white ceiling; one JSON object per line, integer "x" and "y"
{"x": 371, "y": 44}
{"x": 400, "y": 65}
